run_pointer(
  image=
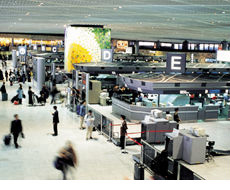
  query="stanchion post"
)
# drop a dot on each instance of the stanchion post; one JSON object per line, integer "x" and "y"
{"x": 110, "y": 126}
{"x": 178, "y": 171}
{"x": 101, "y": 124}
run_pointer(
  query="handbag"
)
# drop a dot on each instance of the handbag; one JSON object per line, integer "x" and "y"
{"x": 23, "y": 95}
{"x": 58, "y": 164}
{"x": 22, "y": 135}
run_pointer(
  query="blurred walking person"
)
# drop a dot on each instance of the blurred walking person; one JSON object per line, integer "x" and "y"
{"x": 53, "y": 94}
{"x": 66, "y": 159}
{"x": 16, "y": 129}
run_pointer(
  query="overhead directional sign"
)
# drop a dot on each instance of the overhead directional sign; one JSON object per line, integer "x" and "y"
{"x": 176, "y": 63}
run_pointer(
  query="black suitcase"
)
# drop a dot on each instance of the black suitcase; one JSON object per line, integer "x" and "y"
{"x": 7, "y": 140}
{"x": 4, "y": 97}
{"x": 15, "y": 98}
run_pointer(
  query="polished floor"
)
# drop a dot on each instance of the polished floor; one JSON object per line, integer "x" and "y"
{"x": 98, "y": 159}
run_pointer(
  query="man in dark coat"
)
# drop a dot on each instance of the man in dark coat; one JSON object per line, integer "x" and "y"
{"x": 176, "y": 117}
{"x": 30, "y": 94}
{"x": 1, "y": 75}
{"x": 123, "y": 132}
{"x": 3, "y": 88}
{"x": 6, "y": 75}
{"x": 16, "y": 129}
{"x": 55, "y": 121}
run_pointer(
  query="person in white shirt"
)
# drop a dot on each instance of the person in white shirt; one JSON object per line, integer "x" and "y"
{"x": 89, "y": 123}
{"x": 168, "y": 116}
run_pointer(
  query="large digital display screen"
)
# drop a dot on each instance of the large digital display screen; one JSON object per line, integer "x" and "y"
{"x": 84, "y": 44}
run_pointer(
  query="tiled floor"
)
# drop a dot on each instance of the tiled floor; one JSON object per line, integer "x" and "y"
{"x": 98, "y": 159}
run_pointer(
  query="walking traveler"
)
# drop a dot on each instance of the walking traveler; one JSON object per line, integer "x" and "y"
{"x": 66, "y": 159}
{"x": 53, "y": 94}
{"x": 89, "y": 123}
{"x": 20, "y": 94}
{"x": 16, "y": 129}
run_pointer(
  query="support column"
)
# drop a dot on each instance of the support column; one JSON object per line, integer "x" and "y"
{"x": 87, "y": 91}
{"x": 40, "y": 72}
{"x": 53, "y": 70}
{"x": 77, "y": 79}
{"x": 136, "y": 45}
{"x": 14, "y": 58}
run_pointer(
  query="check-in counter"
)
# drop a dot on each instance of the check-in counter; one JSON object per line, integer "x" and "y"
{"x": 211, "y": 112}
{"x": 134, "y": 112}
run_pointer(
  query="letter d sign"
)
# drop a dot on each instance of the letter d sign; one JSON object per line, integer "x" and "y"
{"x": 176, "y": 63}
{"x": 106, "y": 55}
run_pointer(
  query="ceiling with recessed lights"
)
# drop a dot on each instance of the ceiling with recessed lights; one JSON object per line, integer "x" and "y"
{"x": 168, "y": 20}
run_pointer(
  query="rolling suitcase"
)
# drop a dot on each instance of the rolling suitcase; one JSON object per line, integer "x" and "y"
{"x": 16, "y": 102}
{"x": 4, "y": 97}
{"x": 15, "y": 98}
{"x": 7, "y": 139}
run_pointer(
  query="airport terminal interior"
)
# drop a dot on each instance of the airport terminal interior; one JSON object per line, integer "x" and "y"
{"x": 114, "y": 90}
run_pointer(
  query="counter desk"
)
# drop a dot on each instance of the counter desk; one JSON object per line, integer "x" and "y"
{"x": 109, "y": 124}
{"x": 217, "y": 168}
{"x": 134, "y": 112}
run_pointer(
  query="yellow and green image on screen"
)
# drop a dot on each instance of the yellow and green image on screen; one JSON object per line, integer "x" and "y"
{"x": 84, "y": 44}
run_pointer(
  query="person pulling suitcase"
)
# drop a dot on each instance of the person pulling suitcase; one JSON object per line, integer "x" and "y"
{"x": 16, "y": 129}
